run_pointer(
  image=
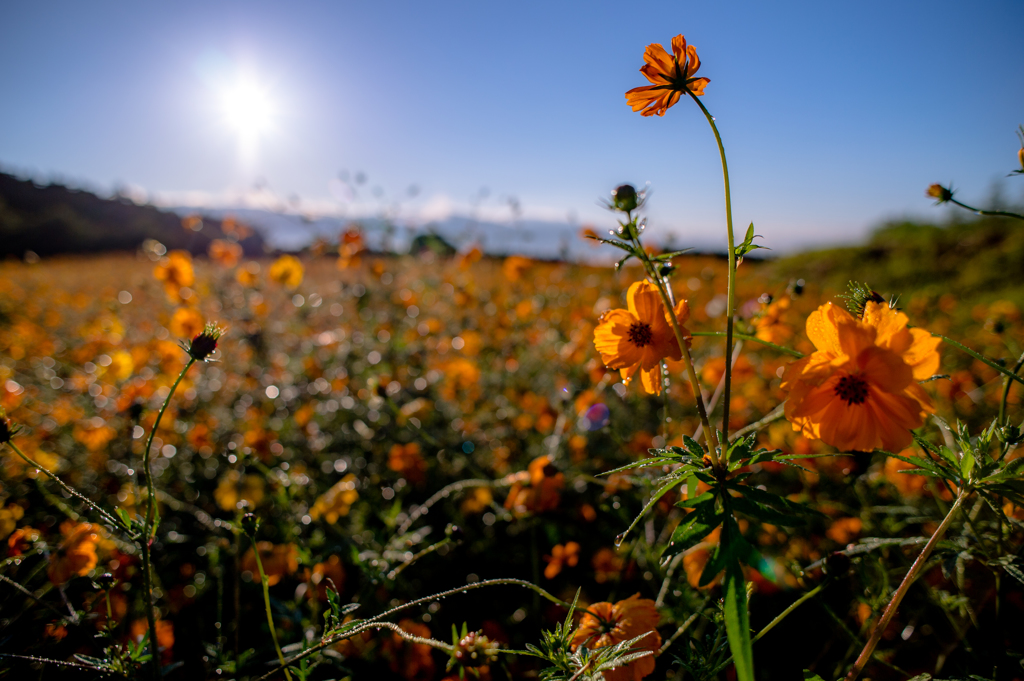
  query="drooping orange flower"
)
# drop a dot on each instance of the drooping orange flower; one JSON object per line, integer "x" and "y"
{"x": 76, "y": 554}
{"x": 567, "y": 555}
{"x": 671, "y": 75}
{"x": 606, "y": 624}
{"x": 858, "y": 391}
{"x": 640, "y": 337}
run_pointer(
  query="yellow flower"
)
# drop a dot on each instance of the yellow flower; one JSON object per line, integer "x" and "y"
{"x": 858, "y": 391}
{"x": 640, "y": 337}
{"x": 287, "y": 271}
{"x": 186, "y": 323}
{"x": 175, "y": 271}
{"x": 337, "y": 501}
{"x": 233, "y": 489}
{"x": 671, "y": 75}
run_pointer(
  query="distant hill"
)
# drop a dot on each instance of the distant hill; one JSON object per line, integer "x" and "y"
{"x": 976, "y": 259}
{"x": 53, "y": 219}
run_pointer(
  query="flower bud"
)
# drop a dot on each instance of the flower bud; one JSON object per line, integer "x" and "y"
{"x": 939, "y": 193}
{"x": 250, "y": 524}
{"x": 625, "y": 198}
{"x": 203, "y": 345}
{"x": 105, "y": 581}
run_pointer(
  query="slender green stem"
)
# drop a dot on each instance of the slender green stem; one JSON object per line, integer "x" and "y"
{"x": 912, "y": 574}
{"x": 755, "y": 339}
{"x": 376, "y": 619}
{"x": 991, "y": 213}
{"x": 684, "y": 349}
{"x": 1006, "y": 390}
{"x": 981, "y": 358}
{"x": 107, "y": 517}
{"x": 148, "y": 531}
{"x": 691, "y": 374}
{"x": 266, "y": 606}
{"x": 785, "y": 613}
{"x": 731, "y": 282}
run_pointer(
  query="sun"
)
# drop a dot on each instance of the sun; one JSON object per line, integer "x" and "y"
{"x": 248, "y": 109}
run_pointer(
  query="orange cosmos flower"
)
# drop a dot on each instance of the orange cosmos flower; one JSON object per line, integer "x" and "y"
{"x": 859, "y": 390}
{"x": 77, "y": 553}
{"x": 561, "y": 556}
{"x": 611, "y": 624}
{"x": 671, "y": 75}
{"x": 640, "y": 337}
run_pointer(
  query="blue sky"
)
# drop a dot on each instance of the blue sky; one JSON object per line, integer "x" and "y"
{"x": 835, "y": 115}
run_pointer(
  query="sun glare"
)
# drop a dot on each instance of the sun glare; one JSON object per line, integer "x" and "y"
{"x": 248, "y": 109}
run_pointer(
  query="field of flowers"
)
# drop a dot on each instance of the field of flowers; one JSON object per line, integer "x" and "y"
{"x": 341, "y": 464}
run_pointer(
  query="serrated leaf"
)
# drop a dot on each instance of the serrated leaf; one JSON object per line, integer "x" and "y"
{"x": 767, "y": 498}
{"x": 737, "y": 622}
{"x": 766, "y": 513}
{"x": 694, "y": 528}
{"x": 658, "y": 494}
{"x": 693, "y": 447}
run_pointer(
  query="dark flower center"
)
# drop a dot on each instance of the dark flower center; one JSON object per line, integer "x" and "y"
{"x": 640, "y": 334}
{"x": 852, "y": 389}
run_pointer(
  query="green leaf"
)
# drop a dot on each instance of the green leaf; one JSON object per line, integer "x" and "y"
{"x": 748, "y": 244}
{"x": 696, "y": 501}
{"x": 658, "y": 494}
{"x": 737, "y": 622}
{"x": 125, "y": 518}
{"x": 694, "y": 528}
{"x": 774, "y": 500}
{"x": 811, "y": 676}
{"x": 967, "y": 464}
{"x": 766, "y": 513}
{"x": 694, "y": 447}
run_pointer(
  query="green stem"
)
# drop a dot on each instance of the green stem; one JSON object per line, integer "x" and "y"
{"x": 991, "y": 213}
{"x": 981, "y": 358}
{"x": 912, "y": 574}
{"x": 107, "y": 517}
{"x": 376, "y": 619}
{"x": 684, "y": 349}
{"x": 148, "y": 531}
{"x": 755, "y": 339}
{"x": 266, "y": 606}
{"x": 731, "y": 283}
